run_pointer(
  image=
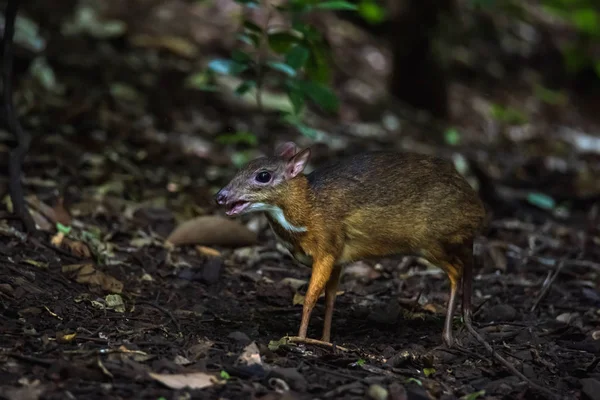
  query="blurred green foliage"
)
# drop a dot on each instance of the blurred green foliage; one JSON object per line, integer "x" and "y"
{"x": 295, "y": 60}
{"x": 579, "y": 52}
{"x": 508, "y": 115}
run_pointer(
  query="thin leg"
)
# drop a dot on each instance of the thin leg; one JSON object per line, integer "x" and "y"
{"x": 330, "y": 294}
{"x": 467, "y": 286}
{"x": 321, "y": 271}
{"x": 447, "y": 334}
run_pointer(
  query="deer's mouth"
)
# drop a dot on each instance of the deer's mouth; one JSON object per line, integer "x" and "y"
{"x": 236, "y": 207}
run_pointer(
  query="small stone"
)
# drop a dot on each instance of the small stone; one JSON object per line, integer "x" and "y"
{"x": 6, "y": 288}
{"x": 377, "y": 392}
{"x": 502, "y": 386}
{"x": 292, "y": 377}
{"x": 528, "y": 371}
{"x": 397, "y": 391}
{"x": 239, "y": 337}
{"x": 388, "y": 352}
{"x": 501, "y": 312}
{"x": 567, "y": 318}
{"x": 590, "y": 387}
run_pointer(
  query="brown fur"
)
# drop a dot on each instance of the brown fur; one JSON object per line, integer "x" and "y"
{"x": 370, "y": 205}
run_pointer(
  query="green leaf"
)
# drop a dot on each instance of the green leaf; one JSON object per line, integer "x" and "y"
{"x": 241, "y": 158}
{"x": 282, "y": 42}
{"x": 371, "y": 11}
{"x": 296, "y": 96}
{"x": 238, "y": 138}
{"x": 220, "y": 66}
{"x": 252, "y": 27}
{"x": 63, "y": 229}
{"x": 282, "y": 67}
{"x": 297, "y": 56}
{"x": 240, "y": 56}
{"x": 473, "y": 396}
{"x": 508, "y": 115}
{"x": 428, "y": 371}
{"x": 201, "y": 81}
{"x": 317, "y": 66}
{"x": 226, "y": 67}
{"x": 587, "y": 20}
{"x": 549, "y": 96}
{"x": 575, "y": 58}
{"x": 309, "y": 32}
{"x": 541, "y": 200}
{"x": 320, "y": 94}
{"x": 452, "y": 136}
{"x": 225, "y": 375}
{"x": 415, "y": 380}
{"x": 307, "y": 131}
{"x": 243, "y": 88}
{"x": 249, "y": 38}
{"x": 43, "y": 72}
{"x": 336, "y": 5}
{"x": 304, "y": 129}
{"x": 360, "y": 361}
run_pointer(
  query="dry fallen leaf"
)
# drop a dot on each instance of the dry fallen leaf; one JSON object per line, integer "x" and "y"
{"x": 115, "y": 302}
{"x": 207, "y": 251}
{"x": 86, "y": 273}
{"x": 77, "y": 248}
{"x": 57, "y": 239}
{"x": 177, "y": 45}
{"x": 293, "y": 282}
{"x": 298, "y": 299}
{"x": 250, "y": 355}
{"x": 195, "y": 380}
{"x": 55, "y": 214}
{"x": 62, "y": 337}
{"x": 124, "y": 354}
{"x": 212, "y": 230}
{"x": 200, "y": 350}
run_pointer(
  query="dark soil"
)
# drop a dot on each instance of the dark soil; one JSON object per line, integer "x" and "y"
{"x": 208, "y": 309}
{"x": 122, "y": 170}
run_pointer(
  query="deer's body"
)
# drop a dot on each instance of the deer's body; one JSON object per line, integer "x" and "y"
{"x": 369, "y": 205}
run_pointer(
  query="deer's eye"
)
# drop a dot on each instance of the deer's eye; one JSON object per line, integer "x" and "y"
{"x": 263, "y": 177}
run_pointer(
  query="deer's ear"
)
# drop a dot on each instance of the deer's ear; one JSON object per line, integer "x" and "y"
{"x": 296, "y": 164}
{"x": 286, "y": 150}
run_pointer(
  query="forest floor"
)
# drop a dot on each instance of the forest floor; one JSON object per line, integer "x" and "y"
{"x": 98, "y": 306}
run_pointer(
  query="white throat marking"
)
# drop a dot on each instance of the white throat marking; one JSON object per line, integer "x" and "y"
{"x": 277, "y": 214}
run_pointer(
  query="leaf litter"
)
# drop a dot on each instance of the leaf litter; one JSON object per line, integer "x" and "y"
{"x": 89, "y": 332}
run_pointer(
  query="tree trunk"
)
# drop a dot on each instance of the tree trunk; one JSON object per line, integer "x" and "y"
{"x": 418, "y": 77}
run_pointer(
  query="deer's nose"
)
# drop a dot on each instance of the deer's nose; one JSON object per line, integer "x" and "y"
{"x": 221, "y": 196}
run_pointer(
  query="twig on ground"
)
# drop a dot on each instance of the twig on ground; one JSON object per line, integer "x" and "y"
{"x": 22, "y": 137}
{"x": 164, "y": 310}
{"x": 298, "y": 339}
{"x": 547, "y": 284}
{"x": 502, "y": 360}
{"x": 29, "y": 359}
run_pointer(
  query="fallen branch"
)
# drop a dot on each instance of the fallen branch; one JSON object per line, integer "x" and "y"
{"x": 503, "y": 361}
{"x": 547, "y": 285}
{"x": 298, "y": 339}
{"x": 467, "y": 314}
{"x": 15, "y": 162}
